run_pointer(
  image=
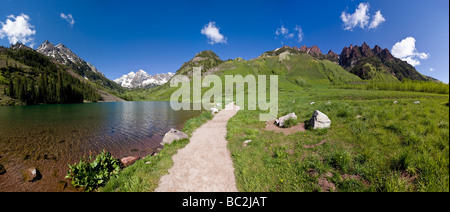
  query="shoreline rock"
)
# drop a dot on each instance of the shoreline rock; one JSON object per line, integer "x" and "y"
{"x": 173, "y": 135}
{"x": 127, "y": 161}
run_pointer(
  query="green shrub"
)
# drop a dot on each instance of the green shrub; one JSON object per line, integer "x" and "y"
{"x": 94, "y": 174}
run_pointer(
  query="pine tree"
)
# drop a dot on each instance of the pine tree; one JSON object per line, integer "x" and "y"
{"x": 11, "y": 92}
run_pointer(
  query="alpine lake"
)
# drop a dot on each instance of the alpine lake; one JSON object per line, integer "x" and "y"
{"x": 49, "y": 137}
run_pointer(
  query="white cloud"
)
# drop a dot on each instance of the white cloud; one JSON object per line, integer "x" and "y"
{"x": 283, "y": 34}
{"x": 431, "y": 69}
{"x": 377, "y": 19}
{"x": 299, "y": 31}
{"x": 360, "y": 18}
{"x": 406, "y": 51}
{"x": 68, "y": 18}
{"x": 282, "y": 31}
{"x": 18, "y": 29}
{"x": 213, "y": 34}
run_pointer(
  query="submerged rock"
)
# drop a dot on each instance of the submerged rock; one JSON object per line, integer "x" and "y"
{"x": 280, "y": 121}
{"x": 31, "y": 175}
{"x": 2, "y": 169}
{"x": 319, "y": 120}
{"x": 173, "y": 135}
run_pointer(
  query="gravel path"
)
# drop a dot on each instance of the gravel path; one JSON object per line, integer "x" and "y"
{"x": 204, "y": 165}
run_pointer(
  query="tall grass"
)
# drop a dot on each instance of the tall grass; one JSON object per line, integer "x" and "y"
{"x": 372, "y": 145}
{"x": 405, "y": 85}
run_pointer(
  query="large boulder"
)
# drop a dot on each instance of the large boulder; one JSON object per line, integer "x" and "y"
{"x": 280, "y": 121}
{"x": 319, "y": 120}
{"x": 173, "y": 135}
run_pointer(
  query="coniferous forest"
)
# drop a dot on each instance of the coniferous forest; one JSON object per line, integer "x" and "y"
{"x": 33, "y": 78}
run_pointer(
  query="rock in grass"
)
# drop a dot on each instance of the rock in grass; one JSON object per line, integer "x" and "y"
{"x": 246, "y": 142}
{"x": 214, "y": 110}
{"x": 417, "y": 102}
{"x": 280, "y": 121}
{"x": 319, "y": 120}
{"x": 127, "y": 161}
{"x": 173, "y": 135}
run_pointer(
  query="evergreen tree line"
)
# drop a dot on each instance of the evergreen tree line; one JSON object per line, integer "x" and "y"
{"x": 48, "y": 88}
{"x": 43, "y": 82}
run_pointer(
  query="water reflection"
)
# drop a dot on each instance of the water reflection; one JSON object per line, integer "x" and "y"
{"x": 49, "y": 137}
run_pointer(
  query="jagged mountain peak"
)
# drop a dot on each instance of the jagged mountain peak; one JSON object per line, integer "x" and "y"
{"x": 65, "y": 56}
{"x": 141, "y": 79}
{"x": 376, "y": 63}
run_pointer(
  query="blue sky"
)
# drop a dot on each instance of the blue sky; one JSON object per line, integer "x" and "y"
{"x": 159, "y": 36}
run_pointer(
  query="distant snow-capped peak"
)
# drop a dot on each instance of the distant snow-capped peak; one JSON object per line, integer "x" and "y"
{"x": 142, "y": 79}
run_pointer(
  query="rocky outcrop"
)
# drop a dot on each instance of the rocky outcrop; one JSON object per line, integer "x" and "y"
{"x": 319, "y": 120}
{"x": 333, "y": 55}
{"x": 376, "y": 63}
{"x": 173, "y": 135}
{"x": 314, "y": 50}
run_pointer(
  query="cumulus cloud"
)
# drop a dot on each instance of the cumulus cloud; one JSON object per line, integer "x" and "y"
{"x": 68, "y": 18}
{"x": 376, "y": 20}
{"x": 213, "y": 34}
{"x": 406, "y": 51}
{"x": 431, "y": 69}
{"x": 361, "y": 17}
{"x": 18, "y": 29}
{"x": 284, "y": 34}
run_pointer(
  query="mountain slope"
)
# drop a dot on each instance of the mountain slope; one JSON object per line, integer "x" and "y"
{"x": 28, "y": 77}
{"x": 65, "y": 56}
{"x": 377, "y": 64}
{"x": 142, "y": 79}
{"x": 296, "y": 70}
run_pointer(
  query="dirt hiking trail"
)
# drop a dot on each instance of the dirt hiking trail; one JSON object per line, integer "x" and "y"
{"x": 204, "y": 164}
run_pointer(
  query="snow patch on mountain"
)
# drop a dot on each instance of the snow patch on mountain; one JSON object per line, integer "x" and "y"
{"x": 142, "y": 79}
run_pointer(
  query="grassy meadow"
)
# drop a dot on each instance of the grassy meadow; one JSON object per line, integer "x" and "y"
{"x": 373, "y": 144}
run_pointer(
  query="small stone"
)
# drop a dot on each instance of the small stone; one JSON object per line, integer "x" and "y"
{"x": 214, "y": 110}
{"x": 127, "y": 161}
{"x": 312, "y": 103}
{"x": 31, "y": 175}
{"x": 395, "y": 102}
{"x": 417, "y": 102}
{"x": 246, "y": 142}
